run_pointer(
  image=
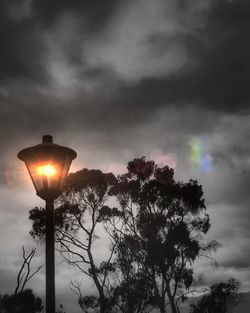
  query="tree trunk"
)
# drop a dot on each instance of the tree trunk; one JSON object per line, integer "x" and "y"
{"x": 156, "y": 292}
{"x": 102, "y": 304}
{"x": 97, "y": 283}
{"x": 171, "y": 300}
{"x": 162, "y": 296}
{"x": 162, "y": 308}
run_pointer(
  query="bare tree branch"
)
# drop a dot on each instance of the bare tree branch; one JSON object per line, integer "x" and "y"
{"x": 23, "y": 277}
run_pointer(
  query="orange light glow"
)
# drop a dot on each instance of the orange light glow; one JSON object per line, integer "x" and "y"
{"x": 46, "y": 170}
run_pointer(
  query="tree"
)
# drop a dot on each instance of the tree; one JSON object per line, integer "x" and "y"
{"x": 156, "y": 230}
{"x": 222, "y": 295}
{"x": 76, "y": 222}
{"x": 23, "y": 300}
{"x": 130, "y": 289}
{"x": 163, "y": 233}
{"x": 25, "y": 274}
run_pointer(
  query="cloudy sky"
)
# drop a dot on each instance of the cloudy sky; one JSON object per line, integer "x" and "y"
{"x": 168, "y": 79}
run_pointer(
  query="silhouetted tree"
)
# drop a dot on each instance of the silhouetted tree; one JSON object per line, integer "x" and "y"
{"x": 130, "y": 288}
{"x": 77, "y": 218}
{"x": 222, "y": 295}
{"x": 25, "y": 274}
{"x": 22, "y": 300}
{"x": 85, "y": 302}
{"x": 157, "y": 232}
{"x": 164, "y": 223}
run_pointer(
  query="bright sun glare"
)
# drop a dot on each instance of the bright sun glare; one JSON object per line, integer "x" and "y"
{"x": 47, "y": 170}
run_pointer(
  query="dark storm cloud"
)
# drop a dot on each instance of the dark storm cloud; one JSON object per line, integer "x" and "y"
{"x": 96, "y": 13}
{"x": 22, "y": 26}
{"x": 215, "y": 77}
{"x": 237, "y": 259}
{"x": 221, "y": 79}
{"x": 20, "y": 45}
{"x": 116, "y": 109}
{"x": 217, "y": 74}
{"x": 138, "y": 101}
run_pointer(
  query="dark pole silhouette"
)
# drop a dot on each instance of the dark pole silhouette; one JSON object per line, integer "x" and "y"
{"x": 48, "y": 165}
{"x": 50, "y": 257}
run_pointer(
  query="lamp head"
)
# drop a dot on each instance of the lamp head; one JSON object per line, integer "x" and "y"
{"x": 48, "y": 165}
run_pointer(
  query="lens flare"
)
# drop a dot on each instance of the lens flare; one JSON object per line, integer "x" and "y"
{"x": 195, "y": 151}
{"x": 46, "y": 170}
{"x": 206, "y": 163}
{"x": 164, "y": 159}
{"x": 198, "y": 156}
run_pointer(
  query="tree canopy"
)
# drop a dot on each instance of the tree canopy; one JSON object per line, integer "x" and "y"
{"x": 156, "y": 228}
{"x": 164, "y": 223}
{"x": 222, "y": 296}
{"x": 22, "y": 302}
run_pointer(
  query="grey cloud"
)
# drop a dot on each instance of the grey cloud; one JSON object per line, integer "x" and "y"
{"x": 20, "y": 47}
{"x": 216, "y": 76}
{"x": 22, "y": 34}
{"x": 95, "y": 12}
{"x": 239, "y": 261}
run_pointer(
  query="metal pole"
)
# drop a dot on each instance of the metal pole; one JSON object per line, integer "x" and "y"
{"x": 50, "y": 258}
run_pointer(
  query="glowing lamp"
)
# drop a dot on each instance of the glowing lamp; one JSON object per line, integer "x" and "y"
{"x": 48, "y": 165}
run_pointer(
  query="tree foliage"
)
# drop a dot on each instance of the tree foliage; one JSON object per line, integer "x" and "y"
{"x": 77, "y": 217}
{"x": 22, "y": 302}
{"x": 157, "y": 231}
{"x": 222, "y": 295}
{"x": 164, "y": 223}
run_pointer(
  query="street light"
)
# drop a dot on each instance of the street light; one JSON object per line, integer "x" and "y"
{"x": 48, "y": 165}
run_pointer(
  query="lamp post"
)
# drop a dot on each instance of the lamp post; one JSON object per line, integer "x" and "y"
{"x": 48, "y": 165}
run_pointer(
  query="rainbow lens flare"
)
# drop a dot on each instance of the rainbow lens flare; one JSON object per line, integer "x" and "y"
{"x": 198, "y": 156}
